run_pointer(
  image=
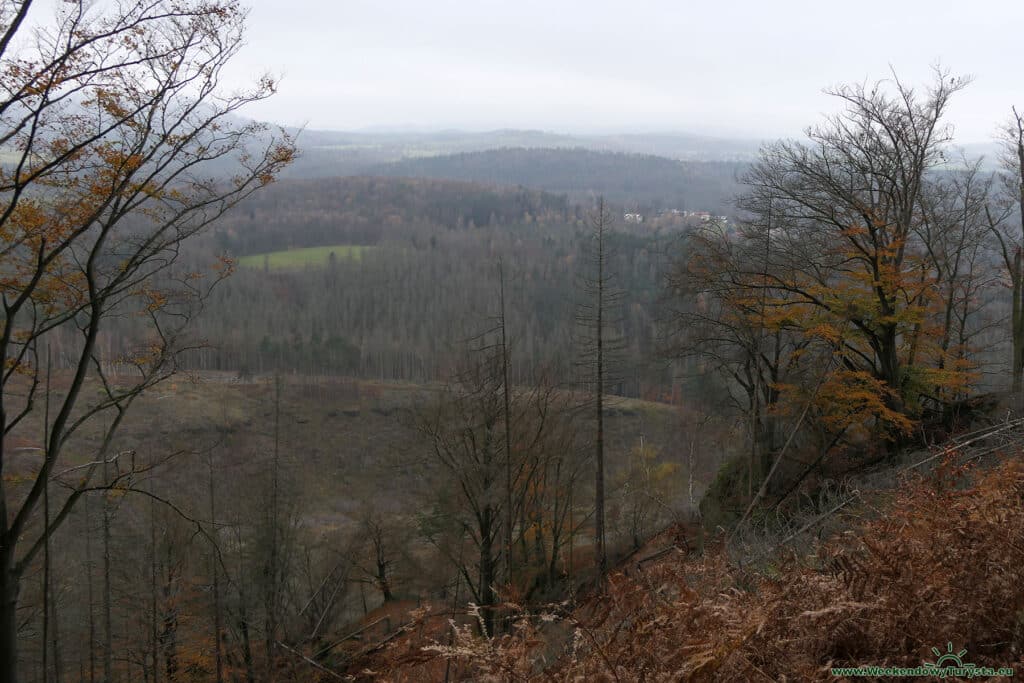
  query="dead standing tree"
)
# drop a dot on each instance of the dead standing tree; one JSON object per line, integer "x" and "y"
{"x": 114, "y": 119}
{"x": 598, "y": 322}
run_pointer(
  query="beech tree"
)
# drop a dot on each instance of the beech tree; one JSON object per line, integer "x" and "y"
{"x": 847, "y": 265}
{"x": 845, "y": 303}
{"x": 119, "y": 143}
{"x": 723, "y": 324}
{"x": 1005, "y": 216}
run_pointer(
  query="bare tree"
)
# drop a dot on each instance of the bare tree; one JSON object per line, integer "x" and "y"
{"x": 378, "y": 536}
{"x": 598, "y": 322}
{"x": 717, "y": 319}
{"x": 463, "y": 433}
{"x": 504, "y": 347}
{"x": 117, "y": 121}
{"x": 214, "y": 563}
{"x": 951, "y": 232}
{"x": 1005, "y": 216}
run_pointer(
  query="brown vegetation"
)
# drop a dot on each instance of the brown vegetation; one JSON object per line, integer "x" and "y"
{"x": 943, "y": 564}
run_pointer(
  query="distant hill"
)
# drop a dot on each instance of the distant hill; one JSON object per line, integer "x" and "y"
{"x": 629, "y": 179}
{"x": 336, "y": 153}
{"x": 675, "y": 145}
{"x": 332, "y": 153}
{"x": 682, "y": 146}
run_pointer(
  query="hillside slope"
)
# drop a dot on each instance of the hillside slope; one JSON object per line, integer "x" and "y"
{"x": 928, "y": 570}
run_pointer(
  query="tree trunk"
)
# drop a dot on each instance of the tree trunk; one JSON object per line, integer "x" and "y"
{"x": 169, "y": 633}
{"x": 108, "y": 636}
{"x": 601, "y": 559}
{"x": 9, "y": 584}
{"x": 215, "y": 570}
{"x": 47, "y": 607}
{"x": 243, "y": 629}
{"x": 382, "y": 578}
{"x": 88, "y": 578}
{"x": 1017, "y": 276}
{"x": 488, "y": 575}
{"x": 273, "y": 572}
{"x": 508, "y": 432}
{"x": 154, "y": 640}
{"x": 58, "y": 676}
{"x": 44, "y": 640}
{"x": 1018, "y": 321}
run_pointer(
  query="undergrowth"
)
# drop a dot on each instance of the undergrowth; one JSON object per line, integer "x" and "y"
{"x": 944, "y": 565}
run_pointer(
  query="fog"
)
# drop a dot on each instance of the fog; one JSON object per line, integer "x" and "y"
{"x": 727, "y": 68}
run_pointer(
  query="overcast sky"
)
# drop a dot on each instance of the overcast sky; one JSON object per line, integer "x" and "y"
{"x": 741, "y": 68}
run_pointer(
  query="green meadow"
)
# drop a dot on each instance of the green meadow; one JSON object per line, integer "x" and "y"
{"x": 309, "y": 257}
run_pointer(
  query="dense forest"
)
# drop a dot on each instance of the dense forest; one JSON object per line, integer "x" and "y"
{"x": 400, "y": 310}
{"x": 370, "y": 210}
{"x": 636, "y": 180}
{"x": 485, "y": 409}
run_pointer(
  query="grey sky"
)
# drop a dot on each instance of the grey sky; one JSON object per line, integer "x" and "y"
{"x": 714, "y": 66}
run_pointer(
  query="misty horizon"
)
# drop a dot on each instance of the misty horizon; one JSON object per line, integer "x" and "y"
{"x": 744, "y": 70}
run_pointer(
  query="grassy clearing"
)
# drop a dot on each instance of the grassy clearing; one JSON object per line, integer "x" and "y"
{"x": 310, "y": 257}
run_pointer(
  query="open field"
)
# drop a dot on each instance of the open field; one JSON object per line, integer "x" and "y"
{"x": 309, "y": 257}
{"x": 346, "y": 440}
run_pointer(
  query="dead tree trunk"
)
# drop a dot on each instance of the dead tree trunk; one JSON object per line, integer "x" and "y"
{"x": 215, "y": 576}
{"x": 108, "y": 634}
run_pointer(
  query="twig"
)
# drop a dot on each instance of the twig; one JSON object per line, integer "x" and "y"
{"x": 314, "y": 664}
{"x": 656, "y": 555}
{"x": 380, "y": 644}
{"x": 820, "y": 518}
{"x": 980, "y": 435}
{"x": 778, "y": 459}
{"x": 350, "y": 636}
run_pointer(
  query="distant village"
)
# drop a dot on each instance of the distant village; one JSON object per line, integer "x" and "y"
{"x": 679, "y": 214}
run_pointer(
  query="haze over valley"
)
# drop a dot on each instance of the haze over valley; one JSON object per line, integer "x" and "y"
{"x": 481, "y": 341}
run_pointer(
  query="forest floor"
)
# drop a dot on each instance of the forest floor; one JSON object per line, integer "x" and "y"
{"x": 341, "y": 439}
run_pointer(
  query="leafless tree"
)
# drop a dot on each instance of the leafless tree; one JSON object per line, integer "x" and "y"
{"x": 118, "y": 128}
{"x": 463, "y": 431}
{"x": 1005, "y": 216}
{"x": 598, "y": 321}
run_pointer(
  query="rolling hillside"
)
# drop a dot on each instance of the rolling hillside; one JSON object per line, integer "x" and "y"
{"x": 630, "y": 179}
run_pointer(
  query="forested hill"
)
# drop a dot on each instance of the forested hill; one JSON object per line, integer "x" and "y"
{"x": 328, "y": 153}
{"x": 367, "y": 210}
{"x": 640, "y": 180}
